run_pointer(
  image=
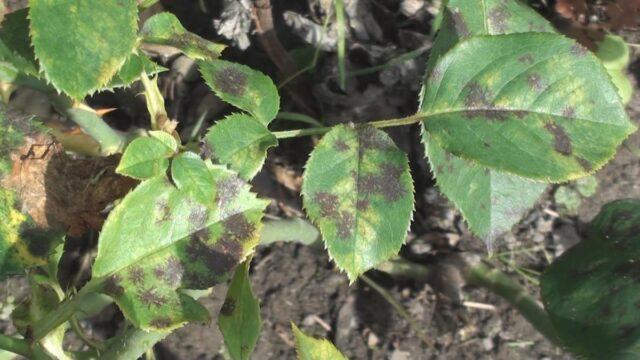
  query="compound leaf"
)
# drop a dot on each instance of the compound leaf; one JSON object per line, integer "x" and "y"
{"x": 241, "y": 142}
{"x": 309, "y": 348}
{"x": 242, "y": 87}
{"x": 490, "y": 200}
{"x": 15, "y": 45}
{"x": 358, "y": 190}
{"x": 239, "y": 319}
{"x": 165, "y": 29}
{"x": 147, "y": 156}
{"x": 591, "y": 292}
{"x": 161, "y": 239}
{"x": 81, "y": 44}
{"x": 535, "y": 105}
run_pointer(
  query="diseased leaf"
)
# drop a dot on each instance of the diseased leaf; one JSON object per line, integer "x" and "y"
{"x": 591, "y": 292}
{"x": 165, "y": 29}
{"x": 357, "y": 189}
{"x": 15, "y": 45}
{"x": 239, "y": 318}
{"x": 147, "y": 156}
{"x": 242, "y": 87}
{"x": 309, "y": 348}
{"x": 503, "y": 102}
{"x": 161, "y": 239}
{"x": 22, "y": 244}
{"x": 81, "y": 44}
{"x": 241, "y": 142}
{"x": 490, "y": 200}
{"x": 190, "y": 176}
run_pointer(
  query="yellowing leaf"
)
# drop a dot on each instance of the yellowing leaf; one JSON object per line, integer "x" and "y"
{"x": 309, "y": 348}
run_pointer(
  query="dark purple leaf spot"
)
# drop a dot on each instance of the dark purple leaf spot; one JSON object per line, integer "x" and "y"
{"x": 173, "y": 271}
{"x": 227, "y": 190}
{"x": 228, "y": 307}
{"x": 327, "y": 202}
{"x": 486, "y": 114}
{"x": 161, "y": 322}
{"x": 345, "y": 223}
{"x": 499, "y": 17}
{"x": 526, "y": 58}
{"x": 584, "y": 163}
{"x": 477, "y": 95}
{"x": 231, "y": 81}
{"x": 534, "y": 81}
{"x": 569, "y": 112}
{"x": 198, "y": 216}
{"x": 362, "y": 204}
{"x": 486, "y": 144}
{"x": 163, "y": 211}
{"x": 136, "y": 275}
{"x": 370, "y": 139}
{"x": 238, "y": 228}
{"x": 387, "y": 183}
{"x": 460, "y": 24}
{"x": 112, "y": 286}
{"x": 561, "y": 141}
{"x": 341, "y": 145}
{"x": 150, "y": 298}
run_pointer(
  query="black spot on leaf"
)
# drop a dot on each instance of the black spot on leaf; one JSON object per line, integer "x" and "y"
{"x": 341, "y": 145}
{"x": 387, "y": 183}
{"x": 228, "y": 307}
{"x": 163, "y": 210}
{"x": 569, "y": 112}
{"x": 112, "y": 286}
{"x": 362, "y": 204}
{"x": 578, "y": 50}
{"x": 584, "y": 163}
{"x": 227, "y": 190}
{"x": 535, "y": 82}
{"x": 526, "y": 58}
{"x": 370, "y": 139}
{"x": 198, "y": 216}
{"x": 136, "y": 275}
{"x": 561, "y": 141}
{"x": 238, "y": 228}
{"x": 346, "y": 223}
{"x": 499, "y": 17}
{"x": 150, "y": 298}
{"x": 231, "y": 81}
{"x": 477, "y": 95}
{"x": 460, "y": 24}
{"x": 161, "y": 322}
{"x": 328, "y": 203}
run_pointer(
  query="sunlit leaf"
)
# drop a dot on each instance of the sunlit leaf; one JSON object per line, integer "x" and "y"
{"x": 165, "y": 29}
{"x": 358, "y": 190}
{"x": 242, "y": 87}
{"x": 536, "y": 105}
{"x": 591, "y": 292}
{"x": 190, "y": 176}
{"x": 490, "y": 200}
{"x": 81, "y": 44}
{"x": 147, "y": 156}
{"x": 241, "y": 142}
{"x": 239, "y": 318}
{"x": 309, "y": 348}
{"x": 160, "y": 239}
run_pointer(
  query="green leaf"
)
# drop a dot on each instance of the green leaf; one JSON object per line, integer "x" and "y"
{"x": 490, "y": 200}
{"x": 22, "y": 244}
{"x": 81, "y": 44}
{"x": 289, "y": 230}
{"x": 241, "y": 142}
{"x": 15, "y": 45}
{"x": 591, "y": 292}
{"x": 242, "y": 87}
{"x": 239, "y": 318}
{"x": 161, "y": 239}
{"x": 165, "y": 29}
{"x": 147, "y": 156}
{"x": 190, "y": 176}
{"x": 613, "y": 51}
{"x": 535, "y": 105}
{"x": 131, "y": 70}
{"x": 309, "y": 348}
{"x": 358, "y": 191}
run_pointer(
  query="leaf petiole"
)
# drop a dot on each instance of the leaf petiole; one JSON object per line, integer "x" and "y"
{"x": 15, "y": 345}
{"x": 409, "y": 120}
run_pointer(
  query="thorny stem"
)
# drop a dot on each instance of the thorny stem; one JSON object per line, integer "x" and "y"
{"x": 15, "y": 345}
{"x": 415, "y": 326}
{"x": 377, "y": 124}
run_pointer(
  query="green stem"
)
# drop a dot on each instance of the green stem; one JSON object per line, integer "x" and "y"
{"x": 502, "y": 285}
{"x": 109, "y": 139}
{"x": 377, "y": 124}
{"x": 14, "y": 345}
